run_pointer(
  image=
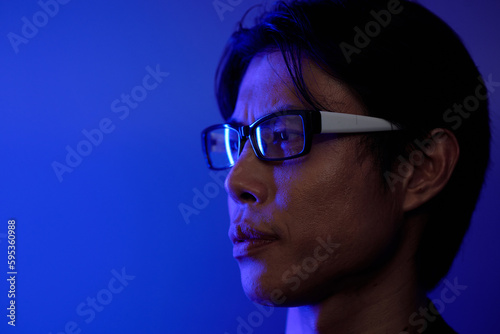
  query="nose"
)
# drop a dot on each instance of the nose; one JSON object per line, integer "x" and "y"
{"x": 246, "y": 182}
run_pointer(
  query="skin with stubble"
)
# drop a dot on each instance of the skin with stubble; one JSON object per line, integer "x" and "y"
{"x": 279, "y": 209}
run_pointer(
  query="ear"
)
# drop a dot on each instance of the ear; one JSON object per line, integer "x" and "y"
{"x": 432, "y": 166}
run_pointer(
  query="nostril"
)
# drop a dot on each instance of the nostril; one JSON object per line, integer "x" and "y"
{"x": 247, "y": 197}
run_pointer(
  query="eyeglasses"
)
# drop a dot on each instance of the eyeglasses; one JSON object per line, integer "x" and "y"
{"x": 282, "y": 135}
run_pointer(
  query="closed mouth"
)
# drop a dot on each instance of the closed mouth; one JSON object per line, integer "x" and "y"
{"x": 247, "y": 240}
{"x": 244, "y": 233}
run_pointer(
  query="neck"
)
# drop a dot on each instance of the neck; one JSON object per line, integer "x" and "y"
{"x": 379, "y": 302}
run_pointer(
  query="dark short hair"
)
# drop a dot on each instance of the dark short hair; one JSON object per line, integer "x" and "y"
{"x": 413, "y": 71}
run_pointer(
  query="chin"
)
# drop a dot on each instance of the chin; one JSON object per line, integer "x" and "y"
{"x": 259, "y": 283}
{"x": 266, "y": 287}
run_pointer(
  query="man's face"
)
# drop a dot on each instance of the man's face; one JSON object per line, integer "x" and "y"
{"x": 306, "y": 227}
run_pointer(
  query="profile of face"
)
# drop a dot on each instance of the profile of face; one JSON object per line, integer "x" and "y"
{"x": 310, "y": 227}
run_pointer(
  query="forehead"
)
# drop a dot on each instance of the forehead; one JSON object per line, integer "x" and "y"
{"x": 267, "y": 87}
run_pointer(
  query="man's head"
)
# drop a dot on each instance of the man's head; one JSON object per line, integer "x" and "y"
{"x": 388, "y": 59}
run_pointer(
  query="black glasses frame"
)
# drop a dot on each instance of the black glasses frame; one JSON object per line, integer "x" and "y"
{"x": 312, "y": 124}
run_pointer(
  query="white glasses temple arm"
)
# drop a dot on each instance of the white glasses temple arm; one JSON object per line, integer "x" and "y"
{"x": 334, "y": 122}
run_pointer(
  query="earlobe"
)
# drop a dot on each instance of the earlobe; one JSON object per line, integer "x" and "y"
{"x": 432, "y": 171}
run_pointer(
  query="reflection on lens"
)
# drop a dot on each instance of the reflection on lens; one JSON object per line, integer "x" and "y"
{"x": 224, "y": 147}
{"x": 229, "y": 152}
{"x": 281, "y": 136}
{"x": 260, "y": 142}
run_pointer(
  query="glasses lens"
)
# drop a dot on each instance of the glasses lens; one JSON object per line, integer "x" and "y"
{"x": 222, "y": 147}
{"x": 281, "y": 136}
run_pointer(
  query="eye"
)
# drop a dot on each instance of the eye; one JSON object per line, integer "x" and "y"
{"x": 281, "y": 136}
{"x": 286, "y": 135}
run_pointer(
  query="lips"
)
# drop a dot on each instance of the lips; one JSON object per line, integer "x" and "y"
{"x": 244, "y": 232}
{"x": 247, "y": 239}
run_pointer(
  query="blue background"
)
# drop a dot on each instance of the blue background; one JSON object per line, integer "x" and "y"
{"x": 119, "y": 207}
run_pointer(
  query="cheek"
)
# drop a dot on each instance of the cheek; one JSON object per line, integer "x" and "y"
{"x": 332, "y": 193}
{"x": 317, "y": 187}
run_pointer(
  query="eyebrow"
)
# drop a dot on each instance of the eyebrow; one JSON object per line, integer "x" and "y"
{"x": 278, "y": 108}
